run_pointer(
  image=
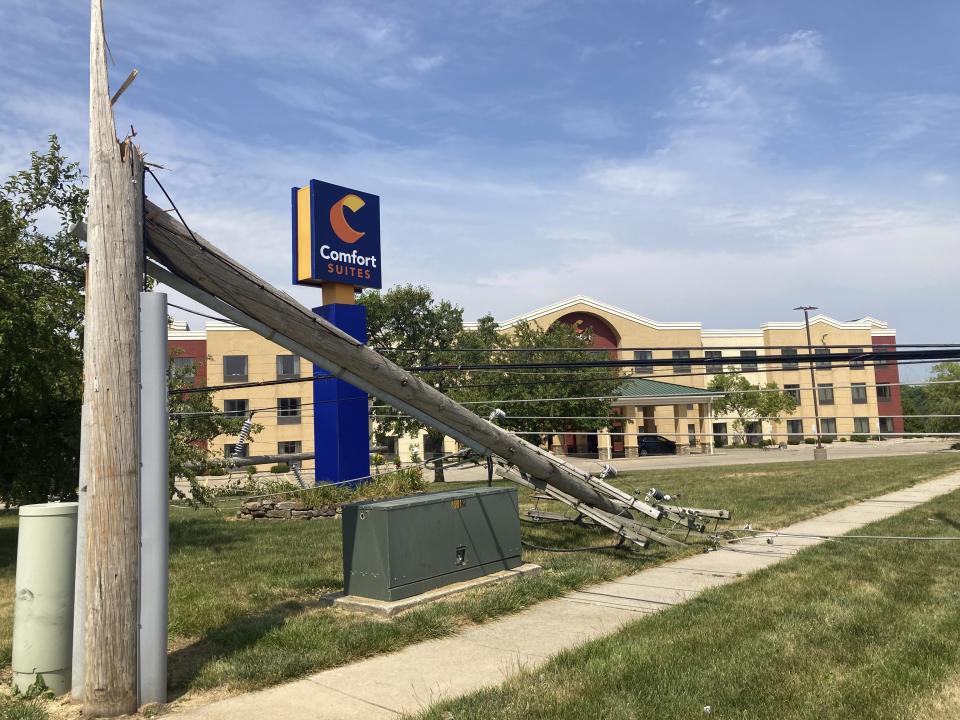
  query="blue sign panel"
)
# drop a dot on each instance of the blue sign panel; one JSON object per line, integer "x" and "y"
{"x": 336, "y": 236}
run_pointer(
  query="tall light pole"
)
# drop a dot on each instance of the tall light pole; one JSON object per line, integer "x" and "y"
{"x": 813, "y": 378}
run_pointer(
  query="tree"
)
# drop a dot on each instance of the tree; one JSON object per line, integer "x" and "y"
{"x": 940, "y": 397}
{"x": 550, "y": 391}
{"x": 415, "y": 330}
{"x": 41, "y": 325}
{"x": 749, "y": 402}
{"x": 411, "y": 328}
{"x": 41, "y": 337}
{"x": 194, "y": 423}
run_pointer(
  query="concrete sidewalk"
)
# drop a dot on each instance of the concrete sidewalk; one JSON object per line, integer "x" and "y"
{"x": 483, "y": 655}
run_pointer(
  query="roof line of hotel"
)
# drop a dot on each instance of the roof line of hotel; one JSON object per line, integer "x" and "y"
{"x": 877, "y": 327}
{"x": 592, "y": 302}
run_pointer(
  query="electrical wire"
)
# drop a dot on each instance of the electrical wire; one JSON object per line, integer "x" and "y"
{"x": 581, "y": 379}
{"x": 203, "y": 315}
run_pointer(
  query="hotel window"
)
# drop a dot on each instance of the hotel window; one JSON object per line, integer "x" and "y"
{"x": 880, "y": 361}
{"x": 236, "y": 408}
{"x": 828, "y": 427}
{"x": 288, "y": 366}
{"x": 861, "y": 426}
{"x": 288, "y": 411}
{"x": 859, "y": 393}
{"x": 289, "y": 447}
{"x": 228, "y": 449}
{"x": 823, "y": 363}
{"x": 234, "y": 368}
{"x": 184, "y": 369}
{"x": 856, "y": 357}
{"x": 789, "y": 364}
{"x": 793, "y": 391}
{"x": 746, "y": 366}
{"x": 825, "y": 393}
{"x": 883, "y": 393}
{"x": 795, "y": 430}
{"x": 886, "y": 424}
{"x": 389, "y": 444}
{"x": 713, "y": 368}
{"x": 681, "y": 368}
{"x": 640, "y": 356}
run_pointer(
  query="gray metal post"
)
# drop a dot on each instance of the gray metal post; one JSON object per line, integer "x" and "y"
{"x": 154, "y": 499}
{"x": 80, "y": 585}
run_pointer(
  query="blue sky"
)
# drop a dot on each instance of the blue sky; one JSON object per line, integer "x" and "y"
{"x": 686, "y": 160}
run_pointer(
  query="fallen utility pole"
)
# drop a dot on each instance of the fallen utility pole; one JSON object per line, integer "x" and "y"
{"x": 201, "y": 271}
{"x": 111, "y": 377}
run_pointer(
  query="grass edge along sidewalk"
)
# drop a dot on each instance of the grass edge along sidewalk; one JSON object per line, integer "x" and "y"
{"x": 241, "y": 617}
{"x": 851, "y": 629}
{"x": 282, "y": 637}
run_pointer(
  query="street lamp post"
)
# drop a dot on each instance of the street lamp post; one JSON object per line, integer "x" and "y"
{"x": 819, "y": 452}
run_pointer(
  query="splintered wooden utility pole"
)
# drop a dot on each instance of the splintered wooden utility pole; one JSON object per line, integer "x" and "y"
{"x": 111, "y": 377}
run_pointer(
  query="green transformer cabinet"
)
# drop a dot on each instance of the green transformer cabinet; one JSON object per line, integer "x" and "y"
{"x": 393, "y": 549}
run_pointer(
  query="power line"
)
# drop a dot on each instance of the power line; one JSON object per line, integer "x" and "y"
{"x": 203, "y": 315}
{"x": 661, "y": 348}
{"x": 549, "y": 378}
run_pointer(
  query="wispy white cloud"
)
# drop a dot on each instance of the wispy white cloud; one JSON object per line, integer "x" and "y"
{"x": 640, "y": 178}
{"x": 797, "y": 53}
{"x": 421, "y": 63}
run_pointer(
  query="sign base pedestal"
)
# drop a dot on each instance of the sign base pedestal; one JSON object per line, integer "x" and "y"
{"x": 341, "y": 415}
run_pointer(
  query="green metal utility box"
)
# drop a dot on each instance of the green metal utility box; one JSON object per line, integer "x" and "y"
{"x": 393, "y": 549}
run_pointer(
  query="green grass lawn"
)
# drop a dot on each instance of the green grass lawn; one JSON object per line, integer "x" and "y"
{"x": 244, "y": 596}
{"x": 853, "y": 629}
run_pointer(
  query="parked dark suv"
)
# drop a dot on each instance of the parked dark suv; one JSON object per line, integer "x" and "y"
{"x": 656, "y": 445}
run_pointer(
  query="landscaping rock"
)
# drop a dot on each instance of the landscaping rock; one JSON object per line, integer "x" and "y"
{"x": 278, "y": 513}
{"x": 299, "y": 513}
{"x": 258, "y": 514}
{"x": 242, "y": 516}
{"x": 290, "y": 505}
{"x": 254, "y": 505}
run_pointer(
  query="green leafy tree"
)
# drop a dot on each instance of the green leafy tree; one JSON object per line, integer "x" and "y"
{"x": 749, "y": 402}
{"x": 940, "y": 397}
{"x": 414, "y": 329}
{"x": 551, "y": 392}
{"x": 42, "y": 273}
{"x": 41, "y": 324}
{"x": 194, "y": 423}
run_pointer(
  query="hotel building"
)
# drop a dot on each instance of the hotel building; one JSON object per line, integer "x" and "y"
{"x": 855, "y": 398}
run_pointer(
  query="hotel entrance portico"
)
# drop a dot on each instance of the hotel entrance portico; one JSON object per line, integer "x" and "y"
{"x": 679, "y": 413}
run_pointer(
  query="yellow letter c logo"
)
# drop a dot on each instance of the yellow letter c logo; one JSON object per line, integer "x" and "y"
{"x": 339, "y": 223}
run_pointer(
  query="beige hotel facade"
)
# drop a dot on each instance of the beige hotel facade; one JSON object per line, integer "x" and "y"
{"x": 855, "y": 398}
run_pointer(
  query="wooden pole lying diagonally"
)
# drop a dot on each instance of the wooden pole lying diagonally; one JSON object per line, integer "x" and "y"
{"x": 194, "y": 259}
{"x": 201, "y": 271}
{"x": 111, "y": 377}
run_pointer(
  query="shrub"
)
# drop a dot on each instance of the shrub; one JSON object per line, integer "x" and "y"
{"x": 793, "y": 441}
{"x": 251, "y": 470}
{"x": 280, "y": 468}
{"x": 827, "y": 439}
{"x": 810, "y": 441}
{"x": 391, "y": 484}
{"x": 215, "y": 471}
{"x": 955, "y": 446}
{"x": 858, "y": 438}
{"x": 843, "y": 439}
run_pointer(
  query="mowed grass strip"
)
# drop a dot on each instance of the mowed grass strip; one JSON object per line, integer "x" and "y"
{"x": 849, "y": 629}
{"x": 244, "y": 610}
